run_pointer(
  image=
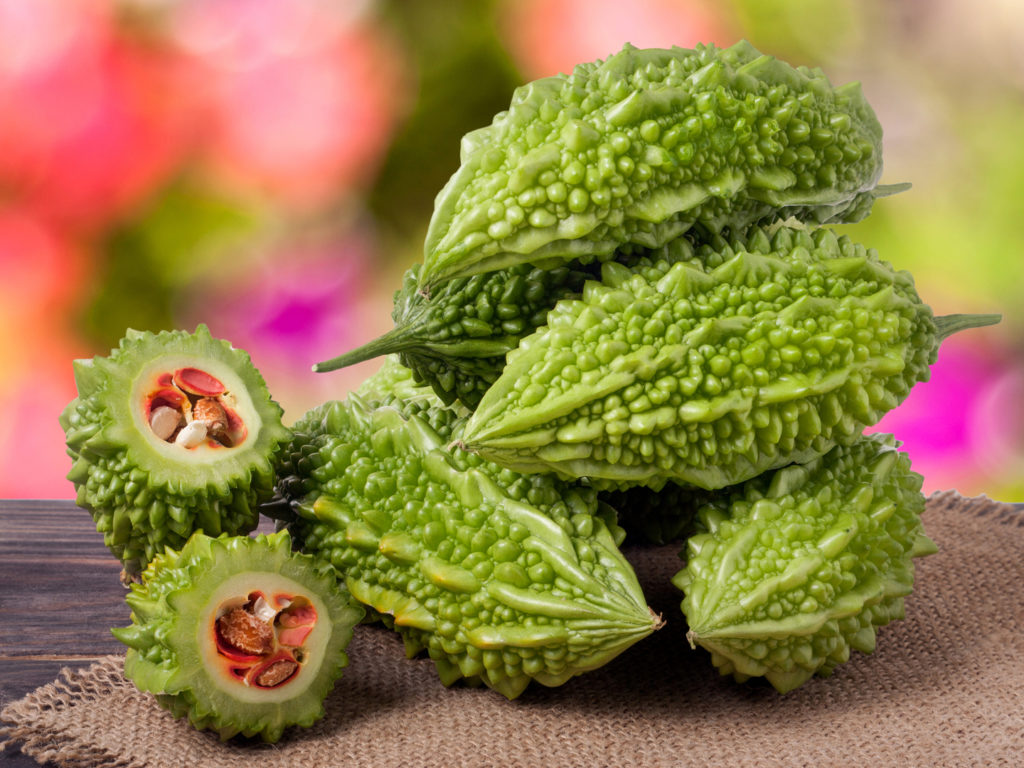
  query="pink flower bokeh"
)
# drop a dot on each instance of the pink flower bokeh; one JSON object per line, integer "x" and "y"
{"x": 964, "y": 427}
{"x": 90, "y": 121}
{"x": 300, "y": 97}
{"x": 550, "y": 36}
{"x": 284, "y": 108}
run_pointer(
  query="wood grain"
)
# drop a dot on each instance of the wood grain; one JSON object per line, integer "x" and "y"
{"x": 60, "y": 594}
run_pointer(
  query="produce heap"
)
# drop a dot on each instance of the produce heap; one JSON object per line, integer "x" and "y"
{"x": 630, "y": 315}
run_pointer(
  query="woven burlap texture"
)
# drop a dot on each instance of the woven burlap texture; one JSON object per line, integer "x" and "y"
{"x": 945, "y": 687}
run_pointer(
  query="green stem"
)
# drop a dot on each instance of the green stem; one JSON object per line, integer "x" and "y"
{"x": 399, "y": 338}
{"x": 885, "y": 190}
{"x": 947, "y": 325}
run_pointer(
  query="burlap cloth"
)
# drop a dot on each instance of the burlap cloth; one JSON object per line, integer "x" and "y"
{"x": 943, "y": 688}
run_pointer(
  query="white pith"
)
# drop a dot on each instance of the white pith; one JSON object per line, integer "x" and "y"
{"x": 236, "y": 397}
{"x": 234, "y": 592}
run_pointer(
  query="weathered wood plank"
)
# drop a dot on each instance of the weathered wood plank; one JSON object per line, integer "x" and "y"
{"x": 61, "y": 589}
{"x": 60, "y": 594}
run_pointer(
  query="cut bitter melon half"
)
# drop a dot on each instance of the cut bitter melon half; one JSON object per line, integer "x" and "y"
{"x": 172, "y": 433}
{"x": 241, "y": 635}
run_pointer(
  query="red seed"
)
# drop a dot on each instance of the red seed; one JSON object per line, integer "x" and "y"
{"x": 295, "y": 636}
{"x": 236, "y": 430}
{"x": 169, "y": 396}
{"x": 298, "y": 616}
{"x": 198, "y": 382}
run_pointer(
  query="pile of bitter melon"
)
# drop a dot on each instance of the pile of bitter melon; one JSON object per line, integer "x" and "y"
{"x": 630, "y": 316}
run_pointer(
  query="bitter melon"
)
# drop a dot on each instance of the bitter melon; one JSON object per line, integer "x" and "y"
{"x": 241, "y": 635}
{"x": 456, "y": 340}
{"x": 502, "y": 578}
{"x": 708, "y": 377}
{"x": 800, "y": 566}
{"x": 643, "y": 146}
{"x": 656, "y": 517}
{"x": 172, "y": 433}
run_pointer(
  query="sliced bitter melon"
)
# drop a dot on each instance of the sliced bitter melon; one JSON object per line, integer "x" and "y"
{"x": 240, "y": 634}
{"x": 172, "y": 433}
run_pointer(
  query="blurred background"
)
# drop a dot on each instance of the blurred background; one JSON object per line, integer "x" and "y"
{"x": 269, "y": 168}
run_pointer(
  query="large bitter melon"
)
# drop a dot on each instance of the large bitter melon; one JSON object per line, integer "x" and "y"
{"x": 641, "y": 147}
{"x": 707, "y": 377}
{"x": 500, "y": 577}
{"x": 797, "y": 567}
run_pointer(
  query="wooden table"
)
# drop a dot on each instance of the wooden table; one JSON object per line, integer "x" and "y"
{"x": 60, "y": 595}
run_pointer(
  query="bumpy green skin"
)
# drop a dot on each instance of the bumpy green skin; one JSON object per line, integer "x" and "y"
{"x": 656, "y": 517}
{"x": 141, "y": 499}
{"x": 500, "y": 577}
{"x": 456, "y": 340}
{"x": 708, "y": 377}
{"x": 643, "y": 146}
{"x": 164, "y": 657}
{"x": 798, "y": 567}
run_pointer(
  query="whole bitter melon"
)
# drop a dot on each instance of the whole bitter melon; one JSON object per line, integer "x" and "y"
{"x": 798, "y": 567}
{"x": 456, "y": 340}
{"x": 500, "y": 577}
{"x": 172, "y": 433}
{"x": 708, "y": 377}
{"x": 241, "y": 635}
{"x": 643, "y": 146}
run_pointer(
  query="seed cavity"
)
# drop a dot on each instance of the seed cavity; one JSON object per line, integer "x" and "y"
{"x": 190, "y": 408}
{"x": 261, "y": 640}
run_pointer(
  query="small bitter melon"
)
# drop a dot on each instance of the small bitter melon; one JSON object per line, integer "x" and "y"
{"x": 797, "y": 567}
{"x": 656, "y": 517}
{"x": 502, "y": 578}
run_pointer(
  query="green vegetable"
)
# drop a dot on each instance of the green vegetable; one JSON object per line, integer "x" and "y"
{"x": 643, "y": 146}
{"x": 241, "y": 635}
{"x": 798, "y": 567}
{"x": 655, "y": 517}
{"x": 456, "y": 340}
{"x": 501, "y": 577}
{"x": 172, "y": 433}
{"x": 670, "y": 372}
